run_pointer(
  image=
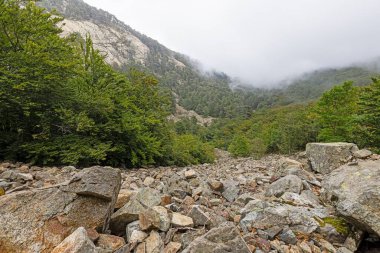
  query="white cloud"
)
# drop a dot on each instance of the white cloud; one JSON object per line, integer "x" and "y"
{"x": 260, "y": 41}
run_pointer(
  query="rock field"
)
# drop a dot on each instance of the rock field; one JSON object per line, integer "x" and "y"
{"x": 326, "y": 199}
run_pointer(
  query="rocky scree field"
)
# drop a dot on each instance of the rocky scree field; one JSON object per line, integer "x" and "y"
{"x": 326, "y": 199}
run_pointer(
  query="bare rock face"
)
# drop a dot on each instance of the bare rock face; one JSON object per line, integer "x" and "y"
{"x": 355, "y": 192}
{"x": 326, "y": 157}
{"x": 225, "y": 238}
{"x": 40, "y": 219}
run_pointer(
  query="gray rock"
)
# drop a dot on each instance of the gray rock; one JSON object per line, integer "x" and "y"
{"x": 362, "y": 154}
{"x": 290, "y": 183}
{"x": 133, "y": 226}
{"x": 127, "y": 214}
{"x": 77, "y": 242}
{"x": 199, "y": 217}
{"x": 326, "y": 157}
{"x": 343, "y": 250}
{"x": 288, "y": 236}
{"x": 231, "y": 190}
{"x": 261, "y": 214}
{"x": 154, "y": 243}
{"x": 29, "y": 220}
{"x": 355, "y": 192}
{"x": 223, "y": 239}
{"x": 86, "y": 183}
{"x": 148, "y": 197}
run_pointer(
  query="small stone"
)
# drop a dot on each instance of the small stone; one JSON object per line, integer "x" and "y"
{"x": 164, "y": 218}
{"x": 288, "y": 237}
{"x": 237, "y": 218}
{"x": 179, "y": 220}
{"x": 166, "y": 200}
{"x": 154, "y": 243}
{"x": 24, "y": 169}
{"x": 110, "y": 242}
{"x": 133, "y": 226}
{"x": 327, "y": 246}
{"x": 216, "y": 185}
{"x": 304, "y": 246}
{"x": 343, "y": 250}
{"x": 92, "y": 234}
{"x": 149, "y": 219}
{"x": 137, "y": 237}
{"x": 289, "y": 183}
{"x": 123, "y": 198}
{"x": 273, "y": 232}
{"x": 77, "y": 242}
{"x": 263, "y": 244}
{"x": 188, "y": 201}
{"x": 215, "y": 202}
{"x": 362, "y": 154}
{"x": 148, "y": 181}
{"x": 141, "y": 248}
{"x": 231, "y": 191}
{"x": 199, "y": 217}
{"x": 190, "y": 174}
{"x": 172, "y": 247}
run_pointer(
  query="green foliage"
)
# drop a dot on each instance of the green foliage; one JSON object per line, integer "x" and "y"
{"x": 60, "y": 103}
{"x": 369, "y": 115}
{"x": 336, "y": 112}
{"x": 189, "y": 149}
{"x": 278, "y": 130}
{"x": 240, "y": 146}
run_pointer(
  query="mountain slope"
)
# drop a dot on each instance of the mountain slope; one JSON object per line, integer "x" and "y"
{"x": 208, "y": 94}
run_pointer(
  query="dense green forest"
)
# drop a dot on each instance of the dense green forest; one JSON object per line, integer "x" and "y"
{"x": 61, "y": 103}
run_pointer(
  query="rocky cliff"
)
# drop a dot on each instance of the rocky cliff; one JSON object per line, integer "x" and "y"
{"x": 276, "y": 204}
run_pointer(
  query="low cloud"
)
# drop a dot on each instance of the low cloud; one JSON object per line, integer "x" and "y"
{"x": 260, "y": 42}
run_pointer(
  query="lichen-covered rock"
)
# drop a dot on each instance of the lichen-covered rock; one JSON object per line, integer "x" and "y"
{"x": 355, "y": 192}
{"x": 38, "y": 220}
{"x": 225, "y": 238}
{"x": 326, "y": 157}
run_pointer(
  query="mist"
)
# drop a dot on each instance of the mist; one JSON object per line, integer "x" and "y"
{"x": 260, "y": 42}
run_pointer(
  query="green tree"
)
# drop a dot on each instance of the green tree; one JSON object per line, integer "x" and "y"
{"x": 240, "y": 146}
{"x": 35, "y": 68}
{"x": 369, "y": 111}
{"x": 336, "y": 112}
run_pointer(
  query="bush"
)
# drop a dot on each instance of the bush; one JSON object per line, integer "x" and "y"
{"x": 240, "y": 146}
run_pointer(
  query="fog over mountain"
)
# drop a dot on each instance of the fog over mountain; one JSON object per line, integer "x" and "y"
{"x": 258, "y": 41}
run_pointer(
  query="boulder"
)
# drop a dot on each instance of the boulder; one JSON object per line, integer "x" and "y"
{"x": 261, "y": 215}
{"x": 362, "y": 154}
{"x": 326, "y": 157}
{"x": 231, "y": 190}
{"x": 355, "y": 192}
{"x": 154, "y": 243}
{"x": 110, "y": 242}
{"x": 77, "y": 242}
{"x": 290, "y": 183}
{"x": 199, "y": 217}
{"x": 179, "y": 220}
{"x": 288, "y": 166}
{"x": 225, "y": 238}
{"x": 172, "y": 247}
{"x": 127, "y": 214}
{"x": 38, "y": 220}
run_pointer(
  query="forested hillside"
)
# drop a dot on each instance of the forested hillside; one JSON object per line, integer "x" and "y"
{"x": 61, "y": 103}
{"x": 208, "y": 94}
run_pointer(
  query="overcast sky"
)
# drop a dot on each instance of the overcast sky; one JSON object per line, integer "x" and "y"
{"x": 258, "y": 41}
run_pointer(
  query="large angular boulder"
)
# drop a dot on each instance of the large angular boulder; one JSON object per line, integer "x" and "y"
{"x": 40, "y": 219}
{"x": 225, "y": 238}
{"x": 326, "y": 157}
{"x": 355, "y": 192}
